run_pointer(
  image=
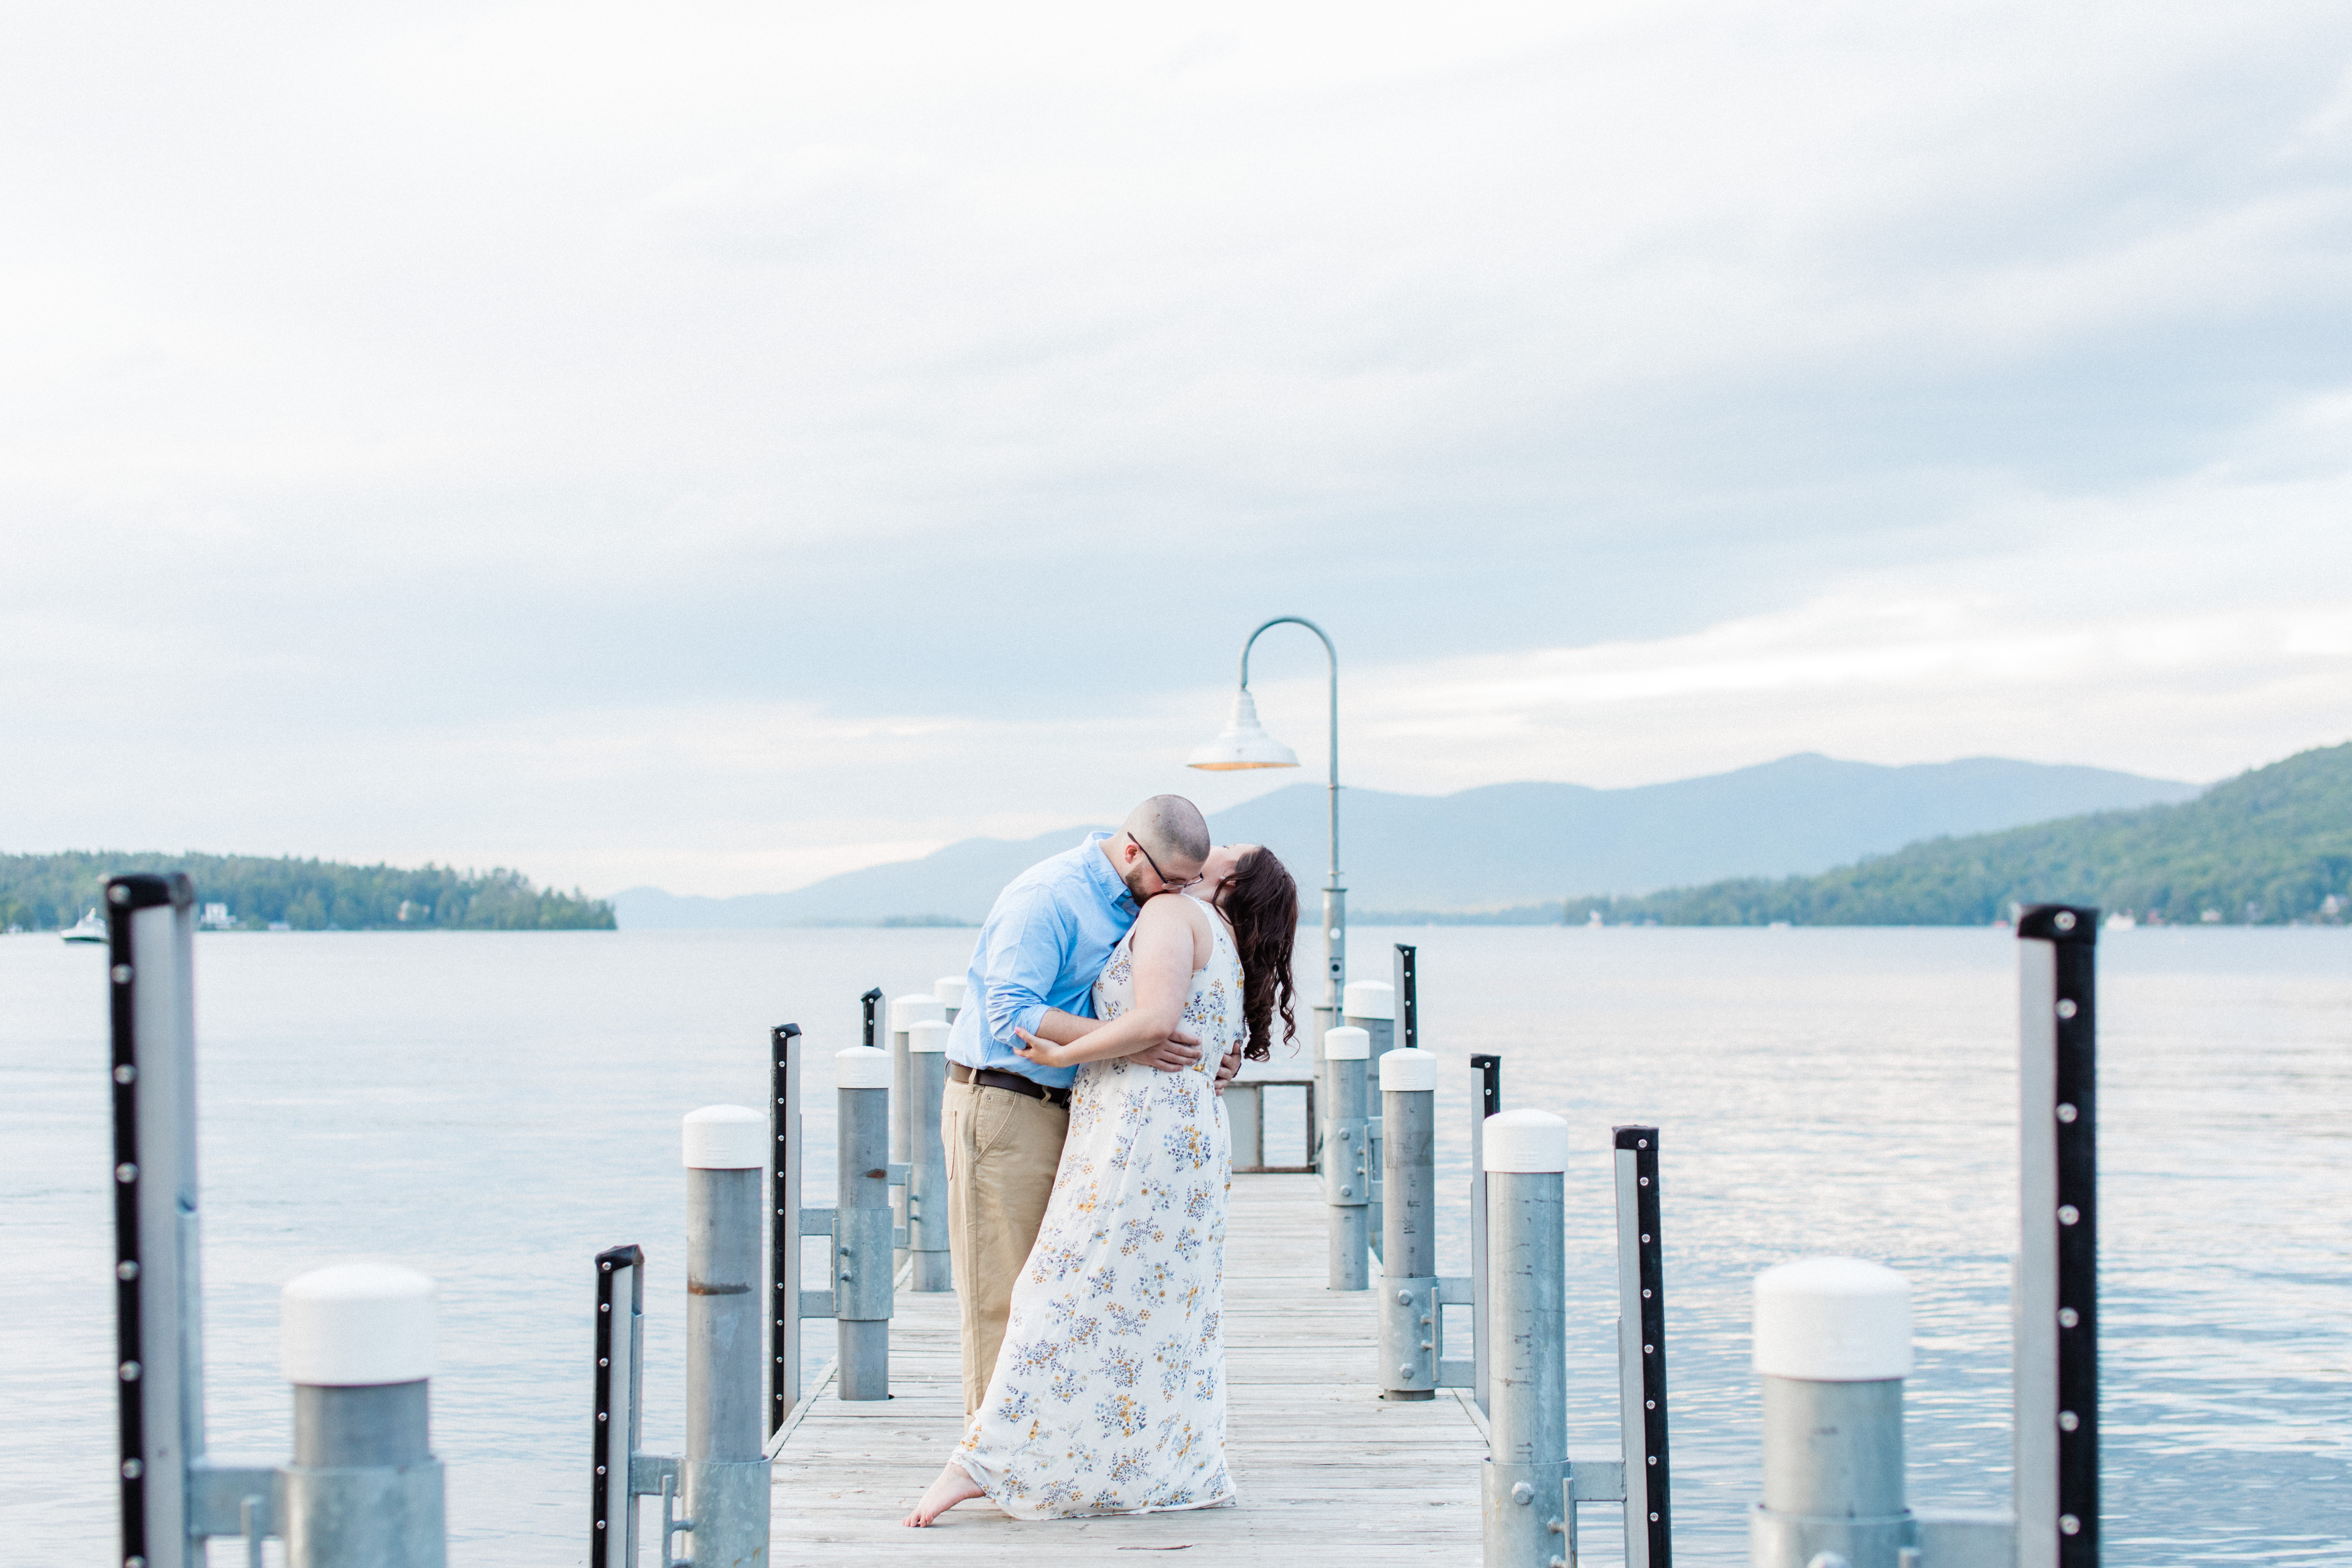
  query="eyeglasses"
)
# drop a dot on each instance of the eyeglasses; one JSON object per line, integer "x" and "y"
{"x": 1173, "y": 887}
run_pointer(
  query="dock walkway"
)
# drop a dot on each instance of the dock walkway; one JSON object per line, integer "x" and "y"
{"x": 1323, "y": 1465}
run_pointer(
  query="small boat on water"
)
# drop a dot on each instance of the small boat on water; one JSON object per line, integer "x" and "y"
{"x": 89, "y": 928}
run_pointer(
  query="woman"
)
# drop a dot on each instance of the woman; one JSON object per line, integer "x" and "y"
{"x": 1110, "y": 1394}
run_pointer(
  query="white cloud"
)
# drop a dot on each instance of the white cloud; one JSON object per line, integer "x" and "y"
{"x": 711, "y": 446}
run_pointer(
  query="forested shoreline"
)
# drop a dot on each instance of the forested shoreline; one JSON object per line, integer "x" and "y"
{"x": 45, "y": 892}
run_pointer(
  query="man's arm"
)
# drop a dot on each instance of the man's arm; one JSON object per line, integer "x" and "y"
{"x": 1160, "y": 952}
{"x": 1024, "y": 958}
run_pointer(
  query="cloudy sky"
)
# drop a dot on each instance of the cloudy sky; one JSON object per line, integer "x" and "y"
{"x": 717, "y": 447}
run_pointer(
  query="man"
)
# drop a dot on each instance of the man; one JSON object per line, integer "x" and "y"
{"x": 1047, "y": 938}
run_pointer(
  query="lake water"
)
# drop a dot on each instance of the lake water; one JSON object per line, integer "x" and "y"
{"x": 494, "y": 1109}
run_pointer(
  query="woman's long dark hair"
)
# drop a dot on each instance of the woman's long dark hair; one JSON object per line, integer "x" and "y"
{"x": 1262, "y": 901}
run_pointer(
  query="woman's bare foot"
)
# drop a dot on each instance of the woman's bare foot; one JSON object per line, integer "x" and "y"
{"x": 955, "y": 1485}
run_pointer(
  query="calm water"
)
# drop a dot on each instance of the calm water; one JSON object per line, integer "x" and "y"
{"x": 494, "y": 1109}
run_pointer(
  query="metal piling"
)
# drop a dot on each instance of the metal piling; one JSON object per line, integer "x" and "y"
{"x": 906, "y": 1012}
{"x": 724, "y": 1475}
{"x": 1410, "y": 1330}
{"x": 1528, "y": 1518}
{"x": 927, "y": 1157}
{"x": 862, "y": 1227}
{"x": 1347, "y": 1164}
{"x": 364, "y": 1490}
{"x": 1832, "y": 1345}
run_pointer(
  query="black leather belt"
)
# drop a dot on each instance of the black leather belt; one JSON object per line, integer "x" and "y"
{"x": 989, "y": 1078}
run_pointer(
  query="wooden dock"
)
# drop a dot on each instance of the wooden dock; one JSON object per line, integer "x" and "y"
{"x": 1325, "y": 1466}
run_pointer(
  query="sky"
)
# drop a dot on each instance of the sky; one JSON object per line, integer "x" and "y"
{"x": 720, "y": 447}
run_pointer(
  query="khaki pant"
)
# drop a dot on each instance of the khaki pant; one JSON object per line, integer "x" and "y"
{"x": 1003, "y": 1150}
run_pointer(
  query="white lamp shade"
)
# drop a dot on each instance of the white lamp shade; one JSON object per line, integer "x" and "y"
{"x": 1243, "y": 742}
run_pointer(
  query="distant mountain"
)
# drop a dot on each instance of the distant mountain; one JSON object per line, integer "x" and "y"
{"x": 1504, "y": 844}
{"x": 2269, "y": 845}
{"x": 954, "y": 885}
{"x": 1516, "y": 843}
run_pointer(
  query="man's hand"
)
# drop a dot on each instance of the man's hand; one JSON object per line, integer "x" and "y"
{"x": 1174, "y": 1054}
{"x": 1228, "y": 1068}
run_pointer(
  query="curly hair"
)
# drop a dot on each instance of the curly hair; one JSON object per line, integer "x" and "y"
{"x": 1262, "y": 902}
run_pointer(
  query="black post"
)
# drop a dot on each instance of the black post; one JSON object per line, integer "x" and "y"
{"x": 2057, "y": 1350}
{"x": 1490, "y": 1083}
{"x": 784, "y": 1223}
{"x": 1642, "y": 1350}
{"x": 152, "y": 1071}
{"x": 872, "y": 1002}
{"x": 1407, "y": 1000}
{"x": 613, "y": 1439}
{"x": 2078, "y": 1253}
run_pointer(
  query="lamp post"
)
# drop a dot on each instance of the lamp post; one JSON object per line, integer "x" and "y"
{"x": 1244, "y": 743}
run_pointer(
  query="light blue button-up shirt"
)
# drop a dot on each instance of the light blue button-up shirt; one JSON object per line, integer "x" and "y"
{"x": 1046, "y": 940}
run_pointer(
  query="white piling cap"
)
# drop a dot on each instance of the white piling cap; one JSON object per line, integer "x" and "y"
{"x": 929, "y": 1035}
{"x": 1408, "y": 1070}
{"x": 1347, "y": 1044}
{"x": 1832, "y": 1320}
{"x": 906, "y": 1010}
{"x": 356, "y": 1325}
{"x": 1525, "y": 1143}
{"x": 949, "y": 990}
{"x": 862, "y": 1066}
{"x": 1368, "y": 999}
{"x": 726, "y": 1138}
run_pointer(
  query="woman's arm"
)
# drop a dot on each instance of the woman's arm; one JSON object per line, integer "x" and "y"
{"x": 1062, "y": 1028}
{"x": 1163, "y": 954}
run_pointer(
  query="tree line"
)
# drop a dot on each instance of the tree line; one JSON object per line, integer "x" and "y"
{"x": 2268, "y": 847}
{"x": 44, "y": 893}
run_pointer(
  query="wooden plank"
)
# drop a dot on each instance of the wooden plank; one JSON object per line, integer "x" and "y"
{"x": 1324, "y": 1466}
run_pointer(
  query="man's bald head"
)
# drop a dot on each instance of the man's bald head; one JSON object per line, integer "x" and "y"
{"x": 1172, "y": 829}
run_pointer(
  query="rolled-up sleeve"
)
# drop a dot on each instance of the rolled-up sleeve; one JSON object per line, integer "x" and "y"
{"x": 1027, "y": 947}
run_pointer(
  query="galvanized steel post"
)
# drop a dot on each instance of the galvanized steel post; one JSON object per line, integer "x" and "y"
{"x": 1325, "y": 1020}
{"x": 1371, "y": 1007}
{"x": 1529, "y": 1519}
{"x": 1409, "y": 1336}
{"x": 862, "y": 1261}
{"x": 906, "y": 1012}
{"x": 1488, "y": 1103}
{"x": 1832, "y": 1345}
{"x": 949, "y": 990}
{"x": 927, "y": 1156}
{"x": 724, "y": 1475}
{"x": 1347, "y": 1164}
{"x": 364, "y": 1490}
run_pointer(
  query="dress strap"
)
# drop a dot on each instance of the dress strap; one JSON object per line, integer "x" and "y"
{"x": 1217, "y": 925}
{"x": 1217, "y": 920}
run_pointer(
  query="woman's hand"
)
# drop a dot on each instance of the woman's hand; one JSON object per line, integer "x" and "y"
{"x": 1044, "y": 1053}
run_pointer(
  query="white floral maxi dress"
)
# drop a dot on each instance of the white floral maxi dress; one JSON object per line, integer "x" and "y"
{"x": 1110, "y": 1394}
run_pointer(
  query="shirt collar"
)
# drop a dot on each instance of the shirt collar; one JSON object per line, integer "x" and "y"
{"x": 1105, "y": 881}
